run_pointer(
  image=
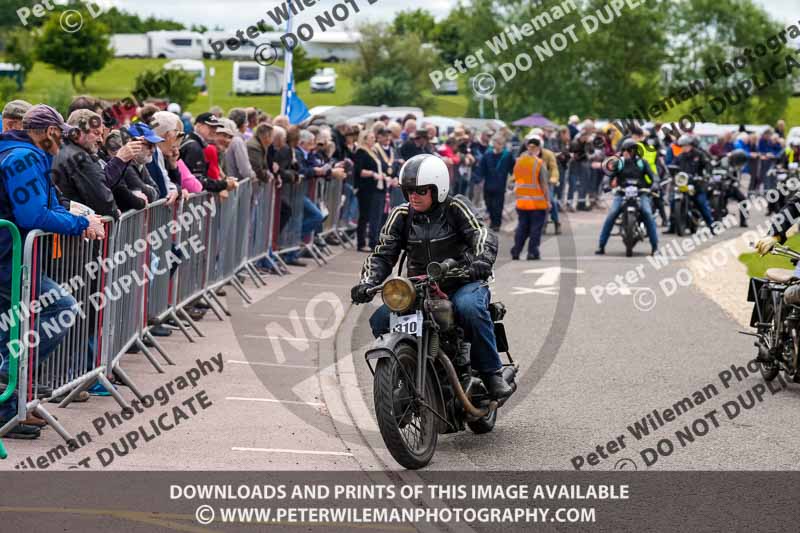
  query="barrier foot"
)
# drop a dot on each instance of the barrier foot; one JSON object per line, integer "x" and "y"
{"x": 310, "y": 249}
{"x": 275, "y": 267}
{"x": 114, "y": 393}
{"x": 257, "y": 281}
{"x": 9, "y": 425}
{"x": 158, "y": 347}
{"x": 319, "y": 253}
{"x": 210, "y": 294}
{"x": 346, "y": 242}
{"x": 41, "y": 412}
{"x": 149, "y": 356}
{"x": 123, "y": 377}
{"x": 180, "y": 325}
{"x": 191, "y": 322}
{"x": 241, "y": 290}
{"x": 282, "y": 264}
{"x": 256, "y": 273}
{"x": 82, "y": 386}
{"x": 211, "y": 306}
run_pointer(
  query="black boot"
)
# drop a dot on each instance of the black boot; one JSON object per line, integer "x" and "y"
{"x": 600, "y": 251}
{"x": 558, "y": 228}
{"x": 497, "y": 386}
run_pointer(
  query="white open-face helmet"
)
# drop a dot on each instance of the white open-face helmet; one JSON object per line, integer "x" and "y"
{"x": 422, "y": 170}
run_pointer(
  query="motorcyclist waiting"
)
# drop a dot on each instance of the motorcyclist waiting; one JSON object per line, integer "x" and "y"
{"x": 792, "y": 153}
{"x": 694, "y": 162}
{"x": 431, "y": 227}
{"x": 631, "y": 168}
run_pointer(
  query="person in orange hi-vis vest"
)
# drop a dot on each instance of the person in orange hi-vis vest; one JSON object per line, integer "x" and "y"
{"x": 531, "y": 190}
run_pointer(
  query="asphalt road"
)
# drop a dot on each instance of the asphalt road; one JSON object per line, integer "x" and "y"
{"x": 590, "y": 369}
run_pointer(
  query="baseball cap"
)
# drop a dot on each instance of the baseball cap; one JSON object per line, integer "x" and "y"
{"x": 174, "y": 107}
{"x": 535, "y": 139}
{"x": 16, "y": 109}
{"x": 227, "y": 127}
{"x": 42, "y": 116}
{"x": 140, "y": 129}
{"x": 208, "y": 119}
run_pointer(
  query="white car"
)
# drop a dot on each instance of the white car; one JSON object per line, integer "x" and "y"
{"x": 323, "y": 81}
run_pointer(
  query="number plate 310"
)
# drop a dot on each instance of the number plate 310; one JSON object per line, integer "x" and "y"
{"x": 410, "y": 324}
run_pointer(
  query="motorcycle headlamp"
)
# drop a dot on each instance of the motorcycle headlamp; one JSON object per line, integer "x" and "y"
{"x": 398, "y": 294}
{"x": 682, "y": 179}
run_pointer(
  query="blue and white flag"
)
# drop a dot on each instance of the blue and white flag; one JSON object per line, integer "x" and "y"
{"x": 291, "y": 104}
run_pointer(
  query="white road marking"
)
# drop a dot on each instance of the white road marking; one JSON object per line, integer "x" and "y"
{"x": 296, "y": 299}
{"x": 280, "y": 338}
{"x": 258, "y": 363}
{"x": 270, "y": 400}
{"x": 283, "y": 450}
{"x": 580, "y": 291}
{"x": 307, "y": 317}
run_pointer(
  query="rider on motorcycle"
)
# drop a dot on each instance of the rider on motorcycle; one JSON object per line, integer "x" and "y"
{"x": 434, "y": 226}
{"x": 693, "y": 161}
{"x": 791, "y": 154}
{"x": 631, "y": 167}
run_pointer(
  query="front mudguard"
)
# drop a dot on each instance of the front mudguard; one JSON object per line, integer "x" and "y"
{"x": 385, "y": 347}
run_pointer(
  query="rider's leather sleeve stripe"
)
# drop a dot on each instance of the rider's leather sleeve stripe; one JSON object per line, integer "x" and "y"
{"x": 473, "y": 221}
{"x": 386, "y": 232}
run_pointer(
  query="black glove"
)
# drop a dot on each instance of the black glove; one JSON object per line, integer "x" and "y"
{"x": 359, "y": 294}
{"x": 480, "y": 270}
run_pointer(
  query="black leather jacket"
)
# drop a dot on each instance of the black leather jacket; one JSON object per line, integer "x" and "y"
{"x": 448, "y": 230}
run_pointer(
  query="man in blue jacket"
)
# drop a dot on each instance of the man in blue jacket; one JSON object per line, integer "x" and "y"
{"x": 29, "y": 200}
{"x": 494, "y": 168}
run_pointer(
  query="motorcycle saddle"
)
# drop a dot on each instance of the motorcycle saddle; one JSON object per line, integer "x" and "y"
{"x": 780, "y": 275}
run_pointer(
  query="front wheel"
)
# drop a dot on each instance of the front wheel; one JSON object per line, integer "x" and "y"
{"x": 409, "y": 430}
{"x": 629, "y": 234}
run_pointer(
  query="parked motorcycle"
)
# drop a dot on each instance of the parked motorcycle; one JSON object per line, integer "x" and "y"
{"x": 776, "y": 318}
{"x": 417, "y": 391}
{"x": 783, "y": 185}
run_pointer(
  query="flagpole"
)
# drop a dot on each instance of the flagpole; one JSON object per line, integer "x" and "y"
{"x": 287, "y": 62}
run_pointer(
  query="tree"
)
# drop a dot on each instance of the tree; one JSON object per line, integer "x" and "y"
{"x": 716, "y": 32}
{"x": 19, "y": 50}
{"x": 303, "y": 66}
{"x": 80, "y": 53}
{"x": 173, "y": 85}
{"x": 199, "y": 28}
{"x": 419, "y": 21}
{"x": 377, "y": 75}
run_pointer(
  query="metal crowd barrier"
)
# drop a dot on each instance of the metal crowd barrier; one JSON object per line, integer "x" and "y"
{"x": 12, "y": 371}
{"x": 262, "y": 224}
{"x": 131, "y": 280}
{"x": 73, "y": 268}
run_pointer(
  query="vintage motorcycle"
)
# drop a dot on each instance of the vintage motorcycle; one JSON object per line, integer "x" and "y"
{"x": 631, "y": 223}
{"x": 776, "y": 318}
{"x": 785, "y": 185}
{"x": 686, "y": 215}
{"x": 417, "y": 391}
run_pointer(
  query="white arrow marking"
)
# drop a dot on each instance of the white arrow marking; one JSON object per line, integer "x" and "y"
{"x": 550, "y": 275}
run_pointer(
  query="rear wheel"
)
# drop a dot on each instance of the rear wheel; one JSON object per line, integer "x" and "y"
{"x": 409, "y": 430}
{"x": 769, "y": 371}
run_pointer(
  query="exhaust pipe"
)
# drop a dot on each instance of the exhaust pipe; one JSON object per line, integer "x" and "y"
{"x": 460, "y": 394}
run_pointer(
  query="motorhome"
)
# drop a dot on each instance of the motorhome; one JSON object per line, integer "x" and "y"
{"x": 176, "y": 44}
{"x": 250, "y": 77}
{"x": 192, "y": 66}
{"x": 130, "y": 45}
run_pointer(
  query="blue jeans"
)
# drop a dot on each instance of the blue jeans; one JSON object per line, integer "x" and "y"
{"x": 701, "y": 199}
{"x": 553, "y": 205}
{"x": 312, "y": 218}
{"x": 350, "y": 209}
{"x": 471, "y": 303}
{"x": 647, "y": 213}
{"x": 49, "y": 340}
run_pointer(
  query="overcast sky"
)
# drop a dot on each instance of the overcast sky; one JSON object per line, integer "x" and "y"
{"x": 236, "y": 14}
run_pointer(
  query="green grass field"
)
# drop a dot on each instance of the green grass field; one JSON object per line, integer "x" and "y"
{"x": 115, "y": 81}
{"x": 757, "y": 265}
